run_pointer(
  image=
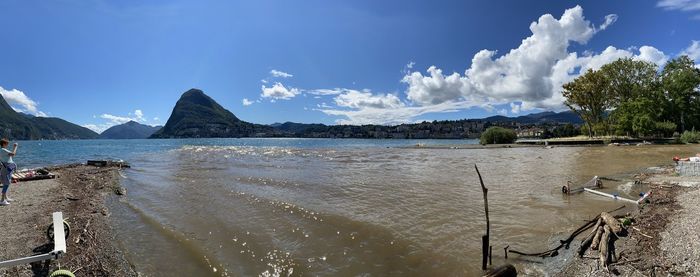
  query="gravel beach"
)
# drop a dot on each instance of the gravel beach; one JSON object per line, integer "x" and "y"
{"x": 680, "y": 242}
{"x": 664, "y": 238}
{"x": 79, "y": 192}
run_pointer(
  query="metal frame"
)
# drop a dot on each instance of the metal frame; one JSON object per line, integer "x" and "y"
{"x": 59, "y": 245}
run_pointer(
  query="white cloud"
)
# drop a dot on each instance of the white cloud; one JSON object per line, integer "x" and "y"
{"x": 532, "y": 73}
{"x": 527, "y": 77}
{"x": 692, "y": 6}
{"x": 360, "y": 100}
{"x": 139, "y": 115}
{"x": 156, "y": 119}
{"x": 503, "y": 112}
{"x": 263, "y": 81}
{"x": 96, "y": 128}
{"x": 247, "y": 102}
{"x": 279, "y": 91}
{"x": 116, "y": 119}
{"x": 514, "y": 108}
{"x": 323, "y": 91}
{"x": 280, "y": 74}
{"x": 112, "y": 120}
{"x": 693, "y": 51}
{"x": 398, "y": 115}
{"x": 21, "y": 102}
{"x": 609, "y": 20}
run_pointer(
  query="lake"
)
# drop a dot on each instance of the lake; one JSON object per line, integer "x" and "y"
{"x": 308, "y": 207}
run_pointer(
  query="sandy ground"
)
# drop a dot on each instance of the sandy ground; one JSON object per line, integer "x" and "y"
{"x": 79, "y": 193}
{"x": 664, "y": 238}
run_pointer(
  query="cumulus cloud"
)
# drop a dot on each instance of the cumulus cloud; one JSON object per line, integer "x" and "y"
{"x": 693, "y": 51}
{"x": 280, "y": 74}
{"x": 279, "y": 91}
{"x": 21, "y": 102}
{"x": 521, "y": 74}
{"x": 247, "y": 102}
{"x": 529, "y": 76}
{"x": 532, "y": 73}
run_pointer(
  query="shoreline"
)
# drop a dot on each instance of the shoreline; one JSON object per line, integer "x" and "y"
{"x": 660, "y": 237}
{"x": 80, "y": 192}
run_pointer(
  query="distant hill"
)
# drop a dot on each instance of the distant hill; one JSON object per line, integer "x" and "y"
{"x": 535, "y": 118}
{"x": 196, "y": 115}
{"x": 295, "y": 128}
{"x": 129, "y": 130}
{"x": 14, "y": 125}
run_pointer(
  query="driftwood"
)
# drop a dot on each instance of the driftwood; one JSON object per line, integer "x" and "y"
{"x": 565, "y": 243}
{"x": 596, "y": 238}
{"x": 484, "y": 239}
{"x": 613, "y": 223}
{"x": 587, "y": 241}
{"x": 507, "y": 270}
{"x": 604, "y": 242}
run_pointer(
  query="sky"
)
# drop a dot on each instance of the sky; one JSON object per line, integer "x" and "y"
{"x": 99, "y": 63}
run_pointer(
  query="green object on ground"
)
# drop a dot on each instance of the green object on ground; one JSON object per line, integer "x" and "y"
{"x": 62, "y": 273}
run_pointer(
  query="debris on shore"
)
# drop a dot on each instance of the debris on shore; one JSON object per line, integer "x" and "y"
{"x": 80, "y": 194}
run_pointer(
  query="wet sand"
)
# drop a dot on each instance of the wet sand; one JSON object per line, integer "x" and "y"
{"x": 79, "y": 192}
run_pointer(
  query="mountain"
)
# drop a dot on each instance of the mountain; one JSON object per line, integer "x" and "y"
{"x": 14, "y": 125}
{"x": 129, "y": 130}
{"x": 536, "y": 118}
{"x": 295, "y": 128}
{"x": 56, "y": 128}
{"x": 196, "y": 115}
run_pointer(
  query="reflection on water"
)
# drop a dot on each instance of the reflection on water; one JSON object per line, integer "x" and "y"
{"x": 279, "y": 211}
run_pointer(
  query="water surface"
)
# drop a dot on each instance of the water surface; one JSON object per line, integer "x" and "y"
{"x": 351, "y": 207}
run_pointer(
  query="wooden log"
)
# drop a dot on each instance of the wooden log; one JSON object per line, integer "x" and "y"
{"x": 613, "y": 223}
{"x": 596, "y": 238}
{"x": 586, "y": 242}
{"x": 604, "y": 242}
{"x": 507, "y": 270}
{"x": 485, "y": 238}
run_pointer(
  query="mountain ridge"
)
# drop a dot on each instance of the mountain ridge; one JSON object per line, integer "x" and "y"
{"x": 15, "y": 125}
{"x": 129, "y": 130}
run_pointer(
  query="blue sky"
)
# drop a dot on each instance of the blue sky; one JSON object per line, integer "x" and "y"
{"x": 98, "y": 63}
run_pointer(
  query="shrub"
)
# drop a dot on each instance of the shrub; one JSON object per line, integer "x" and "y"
{"x": 690, "y": 136}
{"x": 498, "y": 135}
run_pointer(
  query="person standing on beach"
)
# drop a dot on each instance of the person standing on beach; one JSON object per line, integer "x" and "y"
{"x": 8, "y": 165}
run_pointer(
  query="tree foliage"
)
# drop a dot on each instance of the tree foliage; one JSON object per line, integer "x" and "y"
{"x": 498, "y": 135}
{"x": 587, "y": 97}
{"x": 630, "y": 97}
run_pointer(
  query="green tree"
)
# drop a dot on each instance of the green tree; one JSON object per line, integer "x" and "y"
{"x": 680, "y": 82}
{"x": 628, "y": 79}
{"x": 587, "y": 96}
{"x": 497, "y": 134}
{"x": 637, "y": 100}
